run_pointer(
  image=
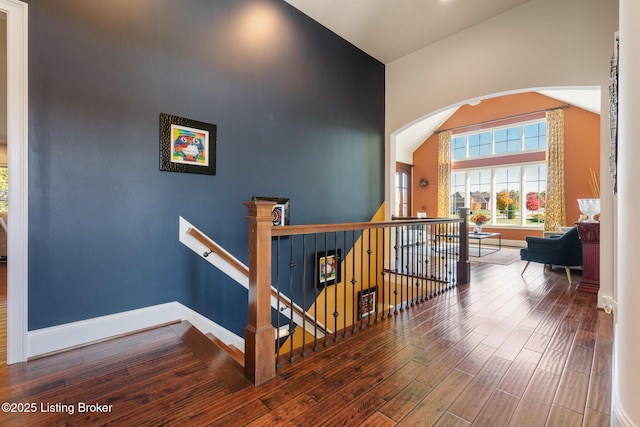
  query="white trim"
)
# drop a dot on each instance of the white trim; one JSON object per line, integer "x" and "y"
{"x": 17, "y": 137}
{"x": 207, "y": 326}
{"x": 619, "y": 417}
{"x": 61, "y": 337}
{"x": 214, "y": 259}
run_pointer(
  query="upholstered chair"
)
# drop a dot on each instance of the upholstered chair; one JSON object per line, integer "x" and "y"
{"x": 565, "y": 250}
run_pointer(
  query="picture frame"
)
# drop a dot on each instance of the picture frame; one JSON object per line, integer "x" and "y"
{"x": 421, "y": 214}
{"x": 281, "y": 211}
{"x": 328, "y": 268}
{"x": 367, "y": 301}
{"x": 187, "y": 145}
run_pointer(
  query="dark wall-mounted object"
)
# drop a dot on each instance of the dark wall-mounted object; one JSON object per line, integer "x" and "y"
{"x": 187, "y": 145}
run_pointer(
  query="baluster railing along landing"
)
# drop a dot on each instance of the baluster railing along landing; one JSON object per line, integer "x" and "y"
{"x": 347, "y": 276}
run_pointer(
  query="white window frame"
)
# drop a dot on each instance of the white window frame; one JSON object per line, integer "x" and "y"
{"x": 494, "y": 191}
{"x": 493, "y": 131}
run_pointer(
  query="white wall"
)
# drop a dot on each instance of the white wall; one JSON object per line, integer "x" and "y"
{"x": 627, "y": 338}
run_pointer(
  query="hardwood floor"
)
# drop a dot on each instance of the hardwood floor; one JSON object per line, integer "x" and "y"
{"x": 503, "y": 351}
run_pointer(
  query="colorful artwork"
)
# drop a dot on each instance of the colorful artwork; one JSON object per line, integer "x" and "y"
{"x": 278, "y": 215}
{"x": 328, "y": 268}
{"x": 366, "y": 303}
{"x": 189, "y": 145}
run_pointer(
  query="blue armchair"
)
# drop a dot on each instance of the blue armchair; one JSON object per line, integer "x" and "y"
{"x": 565, "y": 250}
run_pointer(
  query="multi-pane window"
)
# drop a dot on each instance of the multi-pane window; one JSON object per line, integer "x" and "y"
{"x": 497, "y": 193}
{"x": 457, "y": 192}
{"x": 528, "y": 136}
{"x": 458, "y": 147}
{"x": 535, "y": 189}
{"x": 479, "y": 144}
{"x": 508, "y": 195}
{"x": 480, "y": 190}
{"x": 535, "y": 136}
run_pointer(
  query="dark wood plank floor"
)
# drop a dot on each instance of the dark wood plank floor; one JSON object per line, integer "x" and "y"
{"x": 503, "y": 351}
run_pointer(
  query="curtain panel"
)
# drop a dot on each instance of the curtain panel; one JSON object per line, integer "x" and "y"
{"x": 555, "y": 206}
{"x": 444, "y": 173}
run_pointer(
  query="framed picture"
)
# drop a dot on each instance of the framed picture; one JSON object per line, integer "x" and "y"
{"x": 187, "y": 145}
{"x": 367, "y": 303}
{"x": 421, "y": 214}
{"x": 281, "y": 212}
{"x": 328, "y": 267}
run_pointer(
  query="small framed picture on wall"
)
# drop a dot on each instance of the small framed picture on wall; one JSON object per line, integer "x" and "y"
{"x": 328, "y": 268}
{"x": 367, "y": 302}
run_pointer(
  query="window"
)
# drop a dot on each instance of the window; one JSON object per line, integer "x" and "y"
{"x": 480, "y": 190}
{"x": 457, "y": 192}
{"x": 403, "y": 189}
{"x": 526, "y": 136}
{"x": 508, "y": 196}
{"x": 496, "y": 192}
{"x": 509, "y": 193}
{"x": 535, "y": 187}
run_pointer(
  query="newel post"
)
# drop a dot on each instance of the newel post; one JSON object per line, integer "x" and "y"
{"x": 464, "y": 266}
{"x": 259, "y": 335}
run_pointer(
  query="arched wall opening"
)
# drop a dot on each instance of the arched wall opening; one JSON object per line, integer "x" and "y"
{"x": 417, "y": 143}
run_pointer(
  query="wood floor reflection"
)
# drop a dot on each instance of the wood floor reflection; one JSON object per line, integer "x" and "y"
{"x": 503, "y": 351}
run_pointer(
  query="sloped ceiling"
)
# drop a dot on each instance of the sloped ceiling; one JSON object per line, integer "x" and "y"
{"x": 388, "y": 30}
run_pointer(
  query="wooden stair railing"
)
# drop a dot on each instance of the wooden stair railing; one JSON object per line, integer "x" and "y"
{"x": 259, "y": 363}
{"x": 213, "y": 247}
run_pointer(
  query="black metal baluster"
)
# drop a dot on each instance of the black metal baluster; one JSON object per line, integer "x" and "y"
{"x": 362, "y": 285}
{"x": 354, "y": 282}
{"x": 414, "y": 267}
{"x": 338, "y": 260}
{"x": 383, "y": 273}
{"x": 398, "y": 268}
{"x": 368, "y": 274}
{"x": 377, "y": 283}
{"x": 278, "y": 308}
{"x": 292, "y": 266}
{"x": 304, "y": 295}
{"x": 344, "y": 286}
{"x": 324, "y": 288}
{"x": 316, "y": 275}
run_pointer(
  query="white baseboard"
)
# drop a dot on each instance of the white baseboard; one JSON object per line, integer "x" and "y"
{"x": 619, "y": 417}
{"x": 69, "y": 335}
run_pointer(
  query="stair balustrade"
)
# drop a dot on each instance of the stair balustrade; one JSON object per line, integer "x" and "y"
{"x": 346, "y": 276}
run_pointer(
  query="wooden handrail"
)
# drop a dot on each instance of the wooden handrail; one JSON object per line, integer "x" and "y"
{"x": 291, "y": 230}
{"x": 219, "y": 250}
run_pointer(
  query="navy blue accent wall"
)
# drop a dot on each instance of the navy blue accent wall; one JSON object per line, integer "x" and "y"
{"x": 300, "y": 114}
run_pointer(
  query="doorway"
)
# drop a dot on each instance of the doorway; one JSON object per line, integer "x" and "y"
{"x": 16, "y": 14}
{"x": 4, "y": 187}
{"x": 403, "y": 190}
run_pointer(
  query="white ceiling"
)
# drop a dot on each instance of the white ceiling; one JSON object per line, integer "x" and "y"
{"x": 388, "y": 30}
{"x": 391, "y": 29}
